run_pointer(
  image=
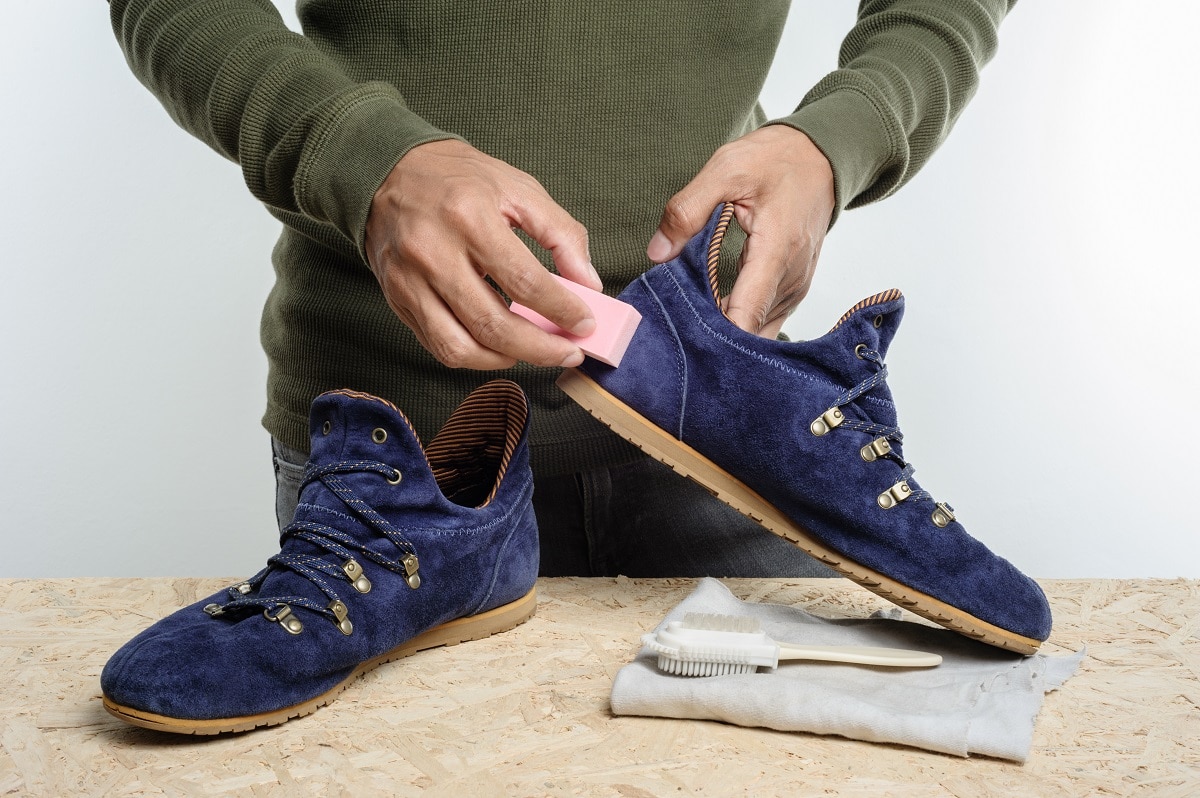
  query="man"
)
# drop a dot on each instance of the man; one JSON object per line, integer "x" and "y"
{"x": 422, "y": 154}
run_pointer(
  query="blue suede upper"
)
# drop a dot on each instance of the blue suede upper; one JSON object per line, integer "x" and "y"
{"x": 747, "y": 402}
{"x": 191, "y": 665}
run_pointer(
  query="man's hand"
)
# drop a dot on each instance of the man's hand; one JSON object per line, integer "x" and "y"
{"x": 441, "y": 222}
{"x": 781, "y": 187}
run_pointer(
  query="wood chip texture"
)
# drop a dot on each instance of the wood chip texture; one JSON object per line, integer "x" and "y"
{"x": 525, "y": 713}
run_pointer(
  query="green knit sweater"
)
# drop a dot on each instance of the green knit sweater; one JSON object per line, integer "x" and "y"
{"x": 614, "y": 105}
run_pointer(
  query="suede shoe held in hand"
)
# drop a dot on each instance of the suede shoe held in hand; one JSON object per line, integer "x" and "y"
{"x": 394, "y": 548}
{"x": 803, "y": 438}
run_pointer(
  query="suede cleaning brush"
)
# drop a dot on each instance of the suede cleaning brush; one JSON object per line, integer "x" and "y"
{"x": 707, "y": 644}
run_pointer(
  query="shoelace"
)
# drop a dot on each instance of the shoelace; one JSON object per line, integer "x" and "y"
{"x": 343, "y": 567}
{"x": 880, "y": 446}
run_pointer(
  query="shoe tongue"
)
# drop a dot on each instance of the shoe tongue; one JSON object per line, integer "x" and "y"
{"x": 872, "y": 322}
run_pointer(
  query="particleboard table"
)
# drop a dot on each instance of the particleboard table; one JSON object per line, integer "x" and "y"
{"x": 526, "y": 712}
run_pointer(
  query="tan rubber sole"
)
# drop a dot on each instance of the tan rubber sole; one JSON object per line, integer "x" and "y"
{"x": 686, "y": 461}
{"x": 451, "y": 633}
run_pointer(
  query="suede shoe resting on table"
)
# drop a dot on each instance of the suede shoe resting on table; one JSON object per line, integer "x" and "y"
{"x": 803, "y": 438}
{"x": 393, "y": 549}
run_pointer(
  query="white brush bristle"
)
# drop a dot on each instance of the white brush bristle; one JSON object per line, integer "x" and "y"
{"x": 679, "y": 667}
{"x": 708, "y": 644}
{"x": 714, "y": 622}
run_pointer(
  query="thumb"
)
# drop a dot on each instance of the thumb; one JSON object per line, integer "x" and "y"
{"x": 685, "y": 214}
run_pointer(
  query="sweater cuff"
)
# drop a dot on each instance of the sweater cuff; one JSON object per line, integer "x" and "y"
{"x": 348, "y": 157}
{"x": 851, "y": 132}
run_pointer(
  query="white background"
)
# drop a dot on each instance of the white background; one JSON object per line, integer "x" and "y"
{"x": 1045, "y": 371}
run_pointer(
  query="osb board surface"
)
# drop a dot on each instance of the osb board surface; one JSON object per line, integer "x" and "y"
{"x": 526, "y": 712}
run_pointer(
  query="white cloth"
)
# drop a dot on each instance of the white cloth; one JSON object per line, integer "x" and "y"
{"x": 980, "y": 700}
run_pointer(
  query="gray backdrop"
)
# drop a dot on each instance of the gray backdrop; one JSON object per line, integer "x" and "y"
{"x": 1044, "y": 372}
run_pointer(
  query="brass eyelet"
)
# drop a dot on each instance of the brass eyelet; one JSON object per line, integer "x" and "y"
{"x": 827, "y": 421}
{"x": 942, "y": 515}
{"x": 894, "y": 495}
{"x": 878, "y": 321}
{"x": 285, "y": 618}
{"x": 858, "y": 350}
{"x": 341, "y": 616}
{"x": 327, "y": 427}
{"x": 396, "y": 479}
{"x": 875, "y": 449}
{"x": 354, "y": 573}
{"x": 411, "y": 569}
{"x": 379, "y": 435}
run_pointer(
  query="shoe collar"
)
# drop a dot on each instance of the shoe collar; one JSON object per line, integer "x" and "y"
{"x": 466, "y": 461}
{"x": 872, "y": 322}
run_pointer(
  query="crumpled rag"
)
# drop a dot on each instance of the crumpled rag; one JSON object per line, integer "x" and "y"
{"x": 980, "y": 700}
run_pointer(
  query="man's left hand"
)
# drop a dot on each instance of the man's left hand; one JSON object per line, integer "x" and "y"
{"x": 781, "y": 187}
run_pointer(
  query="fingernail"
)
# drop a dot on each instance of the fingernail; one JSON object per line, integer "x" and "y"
{"x": 584, "y": 328}
{"x": 572, "y": 360}
{"x": 659, "y": 249}
{"x": 595, "y": 274}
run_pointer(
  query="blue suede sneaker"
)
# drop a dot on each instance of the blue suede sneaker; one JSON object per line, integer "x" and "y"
{"x": 393, "y": 549}
{"x": 802, "y": 437}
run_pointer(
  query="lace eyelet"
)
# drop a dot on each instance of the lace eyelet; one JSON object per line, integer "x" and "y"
{"x": 354, "y": 573}
{"x": 858, "y": 350}
{"x": 327, "y": 427}
{"x": 285, "y": 618}
{"x": 411, "y": 571}
{"x": 942, "y": 515}
{"x": 878, "y": 322}
{"x": 827, "y": 421}
{"x": 341, "y": 617}
{"x": 875, "y": 449}
{"x": 396, "y": 479}
{"x": 894, "y": 495}
{"x": 379, "y": 435}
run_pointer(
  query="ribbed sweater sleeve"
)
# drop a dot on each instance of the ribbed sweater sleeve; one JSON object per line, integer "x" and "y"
{"x": 309, "y": 139}
{"x": 905, "y": 72}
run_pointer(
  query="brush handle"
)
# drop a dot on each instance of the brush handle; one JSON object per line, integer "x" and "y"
{"x": 861, "y": 655}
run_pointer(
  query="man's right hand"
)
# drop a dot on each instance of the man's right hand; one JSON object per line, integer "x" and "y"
{"x": 442, "y": 221}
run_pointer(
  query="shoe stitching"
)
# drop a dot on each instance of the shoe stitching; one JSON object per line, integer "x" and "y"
{"x": 427, "y": 530}
{"x": 473, "y": 530}
{"x": 680, "y": 361}
{"x": 757, "y": 356}
{"x": 500, "y": 555}
{"x": 327, "y": 511}
{"x": 728, "y": 341}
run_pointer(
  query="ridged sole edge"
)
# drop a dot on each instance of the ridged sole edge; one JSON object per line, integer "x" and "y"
{"x": 687, "y": 462}
{"x": 460, "y": 630}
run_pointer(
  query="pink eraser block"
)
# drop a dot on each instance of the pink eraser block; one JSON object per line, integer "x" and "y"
{"x": 616, "y": 322}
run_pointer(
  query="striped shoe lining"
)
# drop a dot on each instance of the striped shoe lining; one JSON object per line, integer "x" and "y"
{"x": 714, "y": 249}
{"x": 714, "y": 258}
{"x": 471, "y": 453}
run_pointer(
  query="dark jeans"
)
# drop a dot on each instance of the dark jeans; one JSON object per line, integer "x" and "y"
{"x": 638, "y": 520}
